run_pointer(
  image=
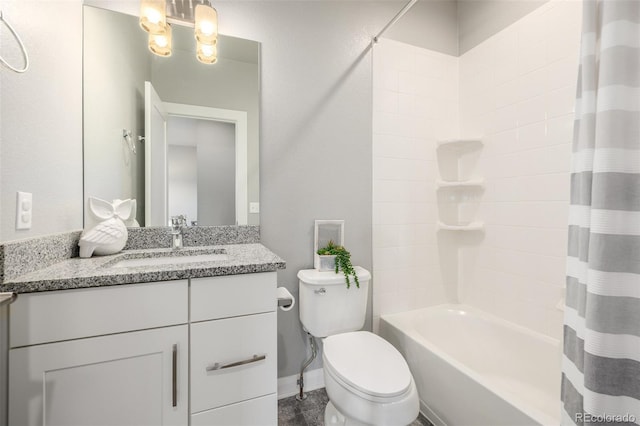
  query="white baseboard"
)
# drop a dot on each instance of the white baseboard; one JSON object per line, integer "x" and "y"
{"x": 288, "y": 386}
{"x": 430, "y": 415}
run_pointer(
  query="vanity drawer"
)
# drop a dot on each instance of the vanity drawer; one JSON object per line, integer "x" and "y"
{"x": 54, "y": 316}
{"x": 233, "y": 295}
{"x": 229, "y": 343}
{"x": 254, "y": 412}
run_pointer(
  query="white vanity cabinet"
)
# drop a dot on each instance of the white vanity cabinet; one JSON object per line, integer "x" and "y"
{"x": 146, "y": 354}
{"x": 101, "y": 356}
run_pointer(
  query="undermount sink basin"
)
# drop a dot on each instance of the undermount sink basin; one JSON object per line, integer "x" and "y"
{"x": 170, "y": 260}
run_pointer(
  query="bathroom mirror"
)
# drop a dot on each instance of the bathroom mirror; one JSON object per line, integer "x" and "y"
{"x": 205, "y": 165}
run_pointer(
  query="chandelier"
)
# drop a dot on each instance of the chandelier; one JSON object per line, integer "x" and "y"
{"x": 155, "y": 20}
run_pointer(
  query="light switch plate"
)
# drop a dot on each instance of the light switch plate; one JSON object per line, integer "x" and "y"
{"x": 254, "y": 207}
{"x": 24, "y": 210}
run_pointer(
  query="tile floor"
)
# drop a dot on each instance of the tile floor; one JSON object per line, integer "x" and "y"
{"x": 310, "y": 412}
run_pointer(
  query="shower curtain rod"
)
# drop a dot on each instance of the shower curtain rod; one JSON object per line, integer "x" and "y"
{"x": 395, "y": 19}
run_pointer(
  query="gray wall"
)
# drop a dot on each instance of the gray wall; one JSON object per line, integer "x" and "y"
{"x": 216, "y": 172}
{"x": 315, "y": 155}
{"x": 41, "y": 111}
{"x": 206, "y": 191}
{"x": 479, "y": 20}
{"x": 430, "y": 24}
{"x": 182, "y": 166}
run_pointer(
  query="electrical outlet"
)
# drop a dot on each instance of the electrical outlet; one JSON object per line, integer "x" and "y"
{"x": 24, "y": 210}
{"x": 254, "y": 207}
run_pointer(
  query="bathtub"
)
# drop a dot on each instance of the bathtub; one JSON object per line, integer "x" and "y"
{"x": 472, "y": 368}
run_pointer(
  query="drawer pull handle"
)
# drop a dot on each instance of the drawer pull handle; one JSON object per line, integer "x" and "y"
{"x": 218, "y": 366}
{"x": 174, "y": 376}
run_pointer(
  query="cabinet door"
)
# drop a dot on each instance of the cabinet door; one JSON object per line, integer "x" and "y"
{"x": 138, "y": 378}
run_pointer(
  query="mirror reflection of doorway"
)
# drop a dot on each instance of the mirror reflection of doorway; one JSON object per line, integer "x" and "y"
{"x": 215, "y": 164}
{"x": 201, "y": 170}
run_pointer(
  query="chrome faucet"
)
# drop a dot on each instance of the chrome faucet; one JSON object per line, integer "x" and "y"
{"x": 177, "y": 225}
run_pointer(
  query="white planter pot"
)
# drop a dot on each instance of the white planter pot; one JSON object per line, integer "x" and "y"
{"x": 327, "y": 263}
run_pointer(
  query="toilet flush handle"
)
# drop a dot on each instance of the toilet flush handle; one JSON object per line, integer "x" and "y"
{"x": 321, "y": 291}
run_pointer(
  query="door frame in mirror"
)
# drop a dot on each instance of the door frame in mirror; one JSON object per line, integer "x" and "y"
{"x": 239, "y": 119}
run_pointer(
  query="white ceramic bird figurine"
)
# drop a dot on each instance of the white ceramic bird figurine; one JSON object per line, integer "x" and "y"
{"x": 107, "y": 237}
{"x": 110, "y": 235}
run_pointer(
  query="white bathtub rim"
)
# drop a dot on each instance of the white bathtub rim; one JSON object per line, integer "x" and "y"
{"x": 461, "y": 307}
{"x": 496, "y": 389}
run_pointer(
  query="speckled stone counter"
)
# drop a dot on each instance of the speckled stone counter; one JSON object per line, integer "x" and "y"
{"x": 51, "y": 262}
{"x": 100, "y": 271}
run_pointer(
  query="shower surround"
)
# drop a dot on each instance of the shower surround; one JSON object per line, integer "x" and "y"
{"x": 515, "y": 91}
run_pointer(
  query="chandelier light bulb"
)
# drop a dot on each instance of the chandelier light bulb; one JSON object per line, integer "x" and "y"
{"x": 153, "y": 16}
{"x": 160, "y": 44}
{"x": 206, "y": 24}
{"x": 207, "y": 53}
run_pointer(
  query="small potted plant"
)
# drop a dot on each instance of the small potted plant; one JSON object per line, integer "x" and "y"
{"x": 336, "y": 258}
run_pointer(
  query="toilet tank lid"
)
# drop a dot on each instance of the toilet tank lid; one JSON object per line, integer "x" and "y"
{"x": 315, "y": 277}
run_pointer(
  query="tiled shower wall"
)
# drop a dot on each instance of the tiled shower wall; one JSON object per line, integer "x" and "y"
{"x": 516, "y": 91}
{"x": 415, "y": 104}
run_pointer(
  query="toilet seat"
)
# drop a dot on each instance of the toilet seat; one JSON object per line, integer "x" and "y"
{"x": 368, "y": 365}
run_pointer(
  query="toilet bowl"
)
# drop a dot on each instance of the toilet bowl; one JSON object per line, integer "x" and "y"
{"x": 368, "y": 382}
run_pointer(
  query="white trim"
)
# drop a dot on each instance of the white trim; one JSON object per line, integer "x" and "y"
{"x": 618, "y": 346}
{"x": 580, "y": 215}
{"x": 430, "y": 414}
{"x": 619, "y": 284}
{"x": 615, "y": 222}
{"x": 620, "y": 33}
{"x": 152, "y": 101}
{"x": 573, "y": 319}
{"x": 288, "y": 386}
{"x": 577, "y": 269}
{"x": 239, "y": 118}
{"x": 606, "y": 160}
{"x": 610, "y": 98}
{"x": 602, "y": 221}
{"x": 572, "y": 374}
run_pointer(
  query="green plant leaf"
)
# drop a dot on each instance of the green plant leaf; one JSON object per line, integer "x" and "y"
{"x": 343, "y": 261}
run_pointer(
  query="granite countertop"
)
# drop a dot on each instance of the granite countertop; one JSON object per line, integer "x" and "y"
{"x": 100, "y": 271}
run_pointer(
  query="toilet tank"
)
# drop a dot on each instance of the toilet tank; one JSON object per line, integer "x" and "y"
{"x": 327, "y": 307}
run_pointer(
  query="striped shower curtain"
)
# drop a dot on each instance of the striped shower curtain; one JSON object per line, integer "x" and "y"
{"x": 601, "y": 360}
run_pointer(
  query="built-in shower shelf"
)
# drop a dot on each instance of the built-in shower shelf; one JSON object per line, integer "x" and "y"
{"x": 460, "y": 144}
{"x": 473, "y": 226}
{"x": 472, "y": 183}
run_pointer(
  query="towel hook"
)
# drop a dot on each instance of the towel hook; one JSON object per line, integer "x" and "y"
{"x": 126, "y": 134}
{"x": 22, "y": 48}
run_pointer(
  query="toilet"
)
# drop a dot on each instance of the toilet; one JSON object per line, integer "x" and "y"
{"x": 367, "y": 380}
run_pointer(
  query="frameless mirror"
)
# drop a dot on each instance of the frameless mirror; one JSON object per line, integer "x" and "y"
{"x": 179, "y": 136}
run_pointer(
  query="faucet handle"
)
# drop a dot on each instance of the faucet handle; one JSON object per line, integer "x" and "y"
{"x": 180, "y": 220}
